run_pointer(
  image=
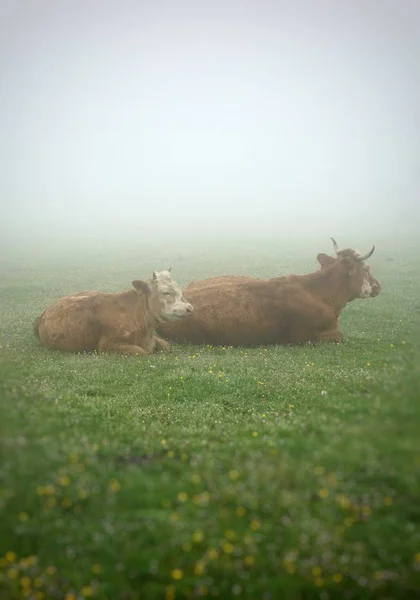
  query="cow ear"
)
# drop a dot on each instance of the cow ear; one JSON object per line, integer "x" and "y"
{"x": 141, "y": 286}
{"x": 325, "y": 260}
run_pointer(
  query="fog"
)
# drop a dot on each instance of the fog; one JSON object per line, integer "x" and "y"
{"x": 192, "y": 120}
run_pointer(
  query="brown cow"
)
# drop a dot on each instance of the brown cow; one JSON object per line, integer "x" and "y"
{"x": 122, "y": 322}
{"x": 244, "y": 311}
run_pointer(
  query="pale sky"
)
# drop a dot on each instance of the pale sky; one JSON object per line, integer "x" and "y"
{"x": 192, "y": 118}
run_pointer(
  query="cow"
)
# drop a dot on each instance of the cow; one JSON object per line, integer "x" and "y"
{"x": 123, "y": 322}
{"x": 294, "y": 309}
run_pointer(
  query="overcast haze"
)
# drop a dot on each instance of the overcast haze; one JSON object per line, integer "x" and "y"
{"x": 201, "y": 118}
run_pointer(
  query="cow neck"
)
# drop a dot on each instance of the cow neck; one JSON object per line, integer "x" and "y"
{"x": 331, "y": 285}
{"x": 144, "y": 318}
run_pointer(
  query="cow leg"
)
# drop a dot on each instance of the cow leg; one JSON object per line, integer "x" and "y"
{"x": 160, "y": 344}
{"x": 331, "y": 335}
{"x": 111, "y": 346}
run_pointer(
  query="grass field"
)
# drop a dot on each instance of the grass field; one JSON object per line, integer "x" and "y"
{"x": 267, "y": 473}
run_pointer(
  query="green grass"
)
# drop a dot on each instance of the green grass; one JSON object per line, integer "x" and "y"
{"x": 267, "y": 473}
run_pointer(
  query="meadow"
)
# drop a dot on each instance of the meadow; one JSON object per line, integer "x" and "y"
{"x": 266, "y": 473}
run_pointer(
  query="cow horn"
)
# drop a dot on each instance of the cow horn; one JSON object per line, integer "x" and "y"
{"x": 336, "y": 248}
{"x": 366, "y": 256}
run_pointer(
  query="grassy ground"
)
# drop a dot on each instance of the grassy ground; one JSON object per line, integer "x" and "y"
{"x": 270, "y": 473}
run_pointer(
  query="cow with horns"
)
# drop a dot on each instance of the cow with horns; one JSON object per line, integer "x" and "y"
{"x": 294, "y": 309}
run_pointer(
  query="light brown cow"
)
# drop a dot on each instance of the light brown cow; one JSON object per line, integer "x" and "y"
{"x": 244, "y": 311}
{"x": 124, "y": 322}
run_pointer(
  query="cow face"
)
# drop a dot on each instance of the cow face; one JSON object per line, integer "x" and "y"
{"x": 359, "y": 284}
{"x": 173, "y": 305}
{"x": 362, "y": 279}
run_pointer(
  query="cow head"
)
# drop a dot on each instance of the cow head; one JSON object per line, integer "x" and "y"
{"x": 361, "y": 277}
{"x": 164, "y": 297}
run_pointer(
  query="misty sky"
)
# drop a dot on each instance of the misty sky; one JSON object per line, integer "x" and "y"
{"x": 187, "y": 118}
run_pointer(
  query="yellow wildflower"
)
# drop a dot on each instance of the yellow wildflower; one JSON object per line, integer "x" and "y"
{"x": 199, "y": 568}
{"x": 177, "y": 574}
{"x": 10, "y": 557}
{"x": 198, "y": 536}
{"x": 343, "y": 501}
{"x": 289, "y": 566}
{"x": 114, "y": 485}
{"x": 227, "y": 547}
{"x": 25, "y": 582}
